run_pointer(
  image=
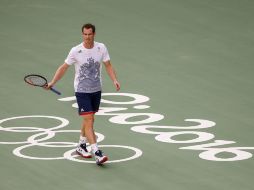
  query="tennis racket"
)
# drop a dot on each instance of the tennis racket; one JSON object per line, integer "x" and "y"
{"x": 38, "y": 80}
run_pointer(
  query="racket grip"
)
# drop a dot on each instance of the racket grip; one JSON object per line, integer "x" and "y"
{"x": 55, "y": 91}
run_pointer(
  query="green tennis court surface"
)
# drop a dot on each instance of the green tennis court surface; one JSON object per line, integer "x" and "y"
{"x": 184, "y": 116}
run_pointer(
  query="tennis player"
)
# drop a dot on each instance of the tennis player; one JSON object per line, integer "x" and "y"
{"x": 87, "y": 57}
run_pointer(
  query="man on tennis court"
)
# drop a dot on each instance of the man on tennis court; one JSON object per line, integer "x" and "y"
{"x": 87, "y": 58}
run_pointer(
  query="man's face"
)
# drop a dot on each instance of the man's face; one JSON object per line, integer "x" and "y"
{"x": 88, "y": 35}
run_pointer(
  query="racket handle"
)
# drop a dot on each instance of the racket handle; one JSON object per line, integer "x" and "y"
{"x": 55, "y": 91}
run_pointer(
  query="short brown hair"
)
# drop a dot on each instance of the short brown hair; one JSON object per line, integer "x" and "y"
{"x": 88, "y": 26}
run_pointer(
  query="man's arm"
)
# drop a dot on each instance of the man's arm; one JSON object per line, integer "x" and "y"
{"x": 58, "y": 75}
{"x": 112, "y": 74}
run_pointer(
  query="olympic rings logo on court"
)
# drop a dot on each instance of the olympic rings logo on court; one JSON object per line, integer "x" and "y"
{"x": 210, "y": 148}
{"x": 40, "y": 139}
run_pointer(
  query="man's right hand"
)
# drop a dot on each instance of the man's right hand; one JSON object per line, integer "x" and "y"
{"x": 49, "y": 86}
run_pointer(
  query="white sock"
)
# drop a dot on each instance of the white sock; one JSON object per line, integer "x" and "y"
{"x": 82, "y": 140}
{"x": 94, "y": 147}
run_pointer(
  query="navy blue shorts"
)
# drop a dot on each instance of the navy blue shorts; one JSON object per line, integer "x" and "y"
{"x": 88, "y": 103}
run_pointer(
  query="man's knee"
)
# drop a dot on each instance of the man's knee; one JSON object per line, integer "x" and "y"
{"x": 88, "y": 118}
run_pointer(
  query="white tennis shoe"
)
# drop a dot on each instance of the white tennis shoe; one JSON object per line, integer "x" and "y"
{"x": 99, "y": 157}
{"x": 82, "y": 151}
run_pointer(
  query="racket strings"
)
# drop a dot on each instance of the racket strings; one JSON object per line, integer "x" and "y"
{"x": 36, "y": 80}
